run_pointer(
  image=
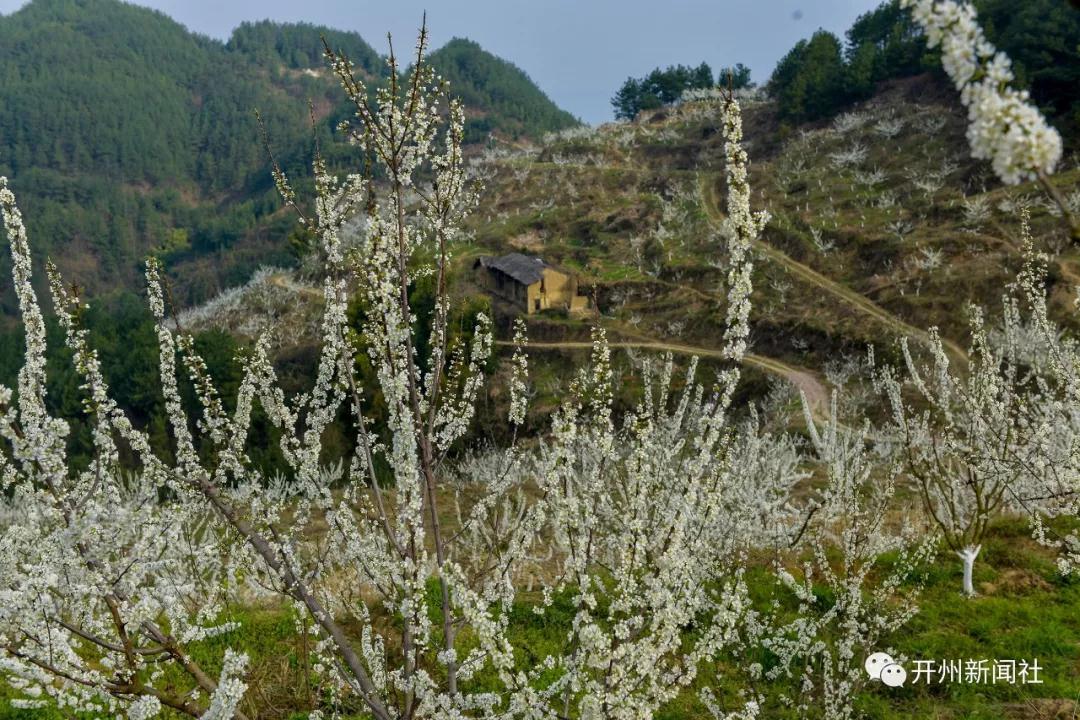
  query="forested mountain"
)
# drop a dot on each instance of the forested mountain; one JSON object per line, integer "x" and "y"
{"x": 124, "y": 133}
{"x": 508, "y": 100}
{"x": 299, "y": 46}
{"x": 823, "y": 75}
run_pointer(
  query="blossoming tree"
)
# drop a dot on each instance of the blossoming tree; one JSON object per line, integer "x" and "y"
{"x": 110, "y": 572}
{"x": 406, "y": 579}
{"x": 978, "y": 445}
{"x": 636, "y": 512}
{"x": 153, "y": 574}
{"x": 854, "y": 520}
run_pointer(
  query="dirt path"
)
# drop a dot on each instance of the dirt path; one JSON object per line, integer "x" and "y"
{"x": 285, "y": 282}
{"x": 807, "y": 382}
{"x": 841, "y": 292}
{"x": 1068, "y": 271}
{"x": 814, "y": 390}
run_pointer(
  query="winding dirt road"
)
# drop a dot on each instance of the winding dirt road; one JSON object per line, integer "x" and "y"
{"x": 841, "y": 292}
{"x": 814, "y": 390}
{"x": 709, "y": 202}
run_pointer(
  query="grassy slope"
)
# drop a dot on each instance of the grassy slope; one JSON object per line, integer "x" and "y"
{"x": 859, "y": 250}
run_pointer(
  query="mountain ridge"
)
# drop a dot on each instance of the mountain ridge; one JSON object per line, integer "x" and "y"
{"x": 126, "y": 134}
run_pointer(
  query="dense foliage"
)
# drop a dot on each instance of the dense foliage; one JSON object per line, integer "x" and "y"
{"x": 663, "y": 87}
{"x": 508, "y": 101}
{"x": 132, "y": 135}
{"x": 809, "y": 81}
{"x": 1042, "y": 37}
{"x": 299, "y": 46}
{"x": 822, "y": 75}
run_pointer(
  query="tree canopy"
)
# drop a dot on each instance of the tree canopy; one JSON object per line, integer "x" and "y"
{"x": 129, "y": 135}
{"x": 821, "y": 76}
{"x": 510, "y": 102}
{"x": 300, "y": 46}
{"x": 809, "y": 81}
{"x": 664, "y": 86}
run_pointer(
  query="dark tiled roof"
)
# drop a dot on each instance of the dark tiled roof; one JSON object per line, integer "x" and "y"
{"x": 526, "y": 269}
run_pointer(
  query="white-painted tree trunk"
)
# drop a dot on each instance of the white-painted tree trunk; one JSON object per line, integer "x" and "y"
{"x": 968, "y": 555}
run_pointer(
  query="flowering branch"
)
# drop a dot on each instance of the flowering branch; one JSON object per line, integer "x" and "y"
{"x": 1004, "y": 127}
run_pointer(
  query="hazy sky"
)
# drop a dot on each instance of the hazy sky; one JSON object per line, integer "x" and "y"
{"x": 578, "y": 51}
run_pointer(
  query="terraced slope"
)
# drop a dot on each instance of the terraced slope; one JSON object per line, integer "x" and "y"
{"x": 837, "y": 290}
{"x": 883, "y": 226}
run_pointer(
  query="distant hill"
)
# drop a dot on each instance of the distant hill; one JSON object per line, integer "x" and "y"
{"x": 507, "y": 100}
{"x": 299, "y": 46}
{"x": 124, "y": 133}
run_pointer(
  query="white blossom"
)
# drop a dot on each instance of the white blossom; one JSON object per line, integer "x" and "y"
{"x": 518, "y": 387}
{"x": 992, "y": 438}
{"x": 230, "y": 688}
{"x": 1004, "y": 127}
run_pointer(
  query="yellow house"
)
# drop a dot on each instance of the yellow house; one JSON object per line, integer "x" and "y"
{"x": 531, "y": 284}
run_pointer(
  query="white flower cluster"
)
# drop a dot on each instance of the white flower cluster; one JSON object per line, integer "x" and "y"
{"x": 742, "y": 227}
{"x": 998, "y": 436}
{"x": 1005, "y": 127}
{"x": 98, "y": 575}
{"x": 1053, "y": 427}
{"x": 519, "y": 401}
{"x": 871, "y": 600}
{"x": 273, "y": 299}
{"x": 106, "y": 574}
{"x": 230, "y": 688}
{"x": 646, "y": 503}
{"x": 575, "y": 133}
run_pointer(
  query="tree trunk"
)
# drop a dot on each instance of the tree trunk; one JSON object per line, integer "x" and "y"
{"x": 968, "y": 555}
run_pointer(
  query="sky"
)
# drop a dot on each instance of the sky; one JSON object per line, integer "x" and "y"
{"x": 577, "y": 51}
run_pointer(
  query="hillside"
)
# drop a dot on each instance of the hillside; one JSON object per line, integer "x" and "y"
{"x": 127, "y": 134}
{"x": 882, "y": 225}
{"x": 349, "y": 485}
{"x": 912, "y": 231}
{"x": 505, "y": 101}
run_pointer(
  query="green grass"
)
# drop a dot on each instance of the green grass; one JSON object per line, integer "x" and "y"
{"x": 1025, "y": 610}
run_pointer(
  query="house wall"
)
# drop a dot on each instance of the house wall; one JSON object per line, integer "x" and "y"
{"x": 505, "y": 287}
{"x": 556, "y": 290}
